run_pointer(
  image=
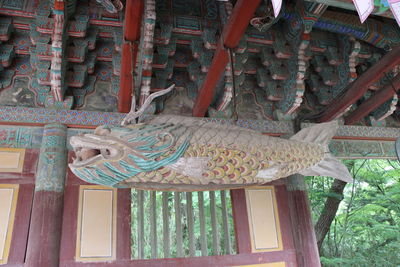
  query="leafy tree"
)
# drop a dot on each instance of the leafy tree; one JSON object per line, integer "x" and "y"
{"x": 358, "y": 224}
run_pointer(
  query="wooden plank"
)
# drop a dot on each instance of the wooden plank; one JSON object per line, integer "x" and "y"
{"x": 43, "y": 246}
{"x": 300, "y": 215}
{"x": 241, "y": 221}
{"x": 178, "y": 225}
{"x": 140, "y": 223}
{"x": 203, "y": 234}
{"x": 153, "y": 224}
{"x": 166, "y": 235}
{"x": 288, "y": 256}
{"x": 124, "y": 224}
{"x": 227, "y": 239}
{"x": 190, "y": 220}
{"x": 214, "y": 224}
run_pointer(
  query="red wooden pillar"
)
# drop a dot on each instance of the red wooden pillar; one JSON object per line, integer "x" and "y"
{"x": 302, "y": 226}
{"x": 46, "y": 219}
{"x": 133, "y": 18}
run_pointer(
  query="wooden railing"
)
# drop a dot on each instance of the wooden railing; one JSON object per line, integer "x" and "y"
{"x": 172, "y": 224}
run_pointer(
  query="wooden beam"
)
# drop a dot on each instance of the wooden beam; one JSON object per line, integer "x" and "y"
{"x": 207, "y": 91}
{"x": 374, "y": 101}
{"x": 359, "y": 87}
{"x": 237, "y": 24}
{"x": 231, "y": 35}
{"x": 133, "y": 18}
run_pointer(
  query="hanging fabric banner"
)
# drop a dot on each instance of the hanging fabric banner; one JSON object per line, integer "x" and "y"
{"x": 277, "y": 4}
{"x": 395, "y": 7}
{"x": 364, "y": 8}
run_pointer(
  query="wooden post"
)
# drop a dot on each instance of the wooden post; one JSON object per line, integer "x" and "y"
{"x": 133, "y": 19}
{"x": 302, "y": 227}
{"x": 46, "y": 219}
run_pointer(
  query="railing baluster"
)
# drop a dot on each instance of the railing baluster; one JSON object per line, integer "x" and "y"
{"x": 227, "y": 238}
{"x": 153, "y": 224}
{"x": 189, "y": 204}
{"x": 214, "y": 224}
{"x": 140, "y": 223}
{"x": 178, "y": 224}
{"x": 165, "y": 211}
{"x": 203, "y": 235}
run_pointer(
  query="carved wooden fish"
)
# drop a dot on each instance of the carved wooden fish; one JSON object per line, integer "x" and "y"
{"x": 185, "y": 154}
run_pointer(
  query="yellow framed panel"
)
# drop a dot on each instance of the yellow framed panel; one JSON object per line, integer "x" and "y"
{"x": 262, "y": 211}
{"x": 96, "y": 229}
{"x": 8, "y": 204}
{"x": 12, "y": 159}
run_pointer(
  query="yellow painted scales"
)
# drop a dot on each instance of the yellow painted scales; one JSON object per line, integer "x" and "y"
{"x": 185, "y": 154}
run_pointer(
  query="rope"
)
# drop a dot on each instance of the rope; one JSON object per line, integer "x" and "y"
{"x": 235, "y": 115}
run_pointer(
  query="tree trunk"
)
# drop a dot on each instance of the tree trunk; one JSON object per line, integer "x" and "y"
{"x": 328, "y": 213}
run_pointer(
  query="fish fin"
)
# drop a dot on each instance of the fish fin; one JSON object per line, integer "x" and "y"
{"x": 321, "y": 133}
{"x": 270, "y": 172}
{"x": 329, "y": 166}
{"x": 193, "y": 167}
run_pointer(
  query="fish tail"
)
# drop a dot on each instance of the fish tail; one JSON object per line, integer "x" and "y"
{"x": 322, "y": 134}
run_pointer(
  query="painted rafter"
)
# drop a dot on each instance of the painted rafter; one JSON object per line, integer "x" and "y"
{"x": 133, "y": 18}
{"x": 374, "y": 101}
{"x": 359, "y": 87}
{"x": 147, "y": 49}
{"x": 56, "y": 71}
{"x": 232, "y": 33}
{"x": 381, "y": 7}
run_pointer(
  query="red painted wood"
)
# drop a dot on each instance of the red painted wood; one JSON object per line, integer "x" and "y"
{"x": 69, "y": 225}
{"x": 126, "y": 79}
{"x": 289, "y": 256}
{"x": 45, "y": 229}
{"x": 284, "y": 216}
{"x": 237, "y": 24}
{"x": 374, "y": 102}
{"x": 359, "y": 87}
{"x": 28, "y": 170}
{"x": 21, "y": 225}
{"x": 232, "y": 33}
{"x": 207, "y": 91}
{"x": 241, "y": 221}
{"x": 133, "y": 18}
{"x": 124, "y": 224}
{"x": 303, "y": 230}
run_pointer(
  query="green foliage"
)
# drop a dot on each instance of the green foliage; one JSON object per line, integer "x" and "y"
{"x": 366, "y": 229}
